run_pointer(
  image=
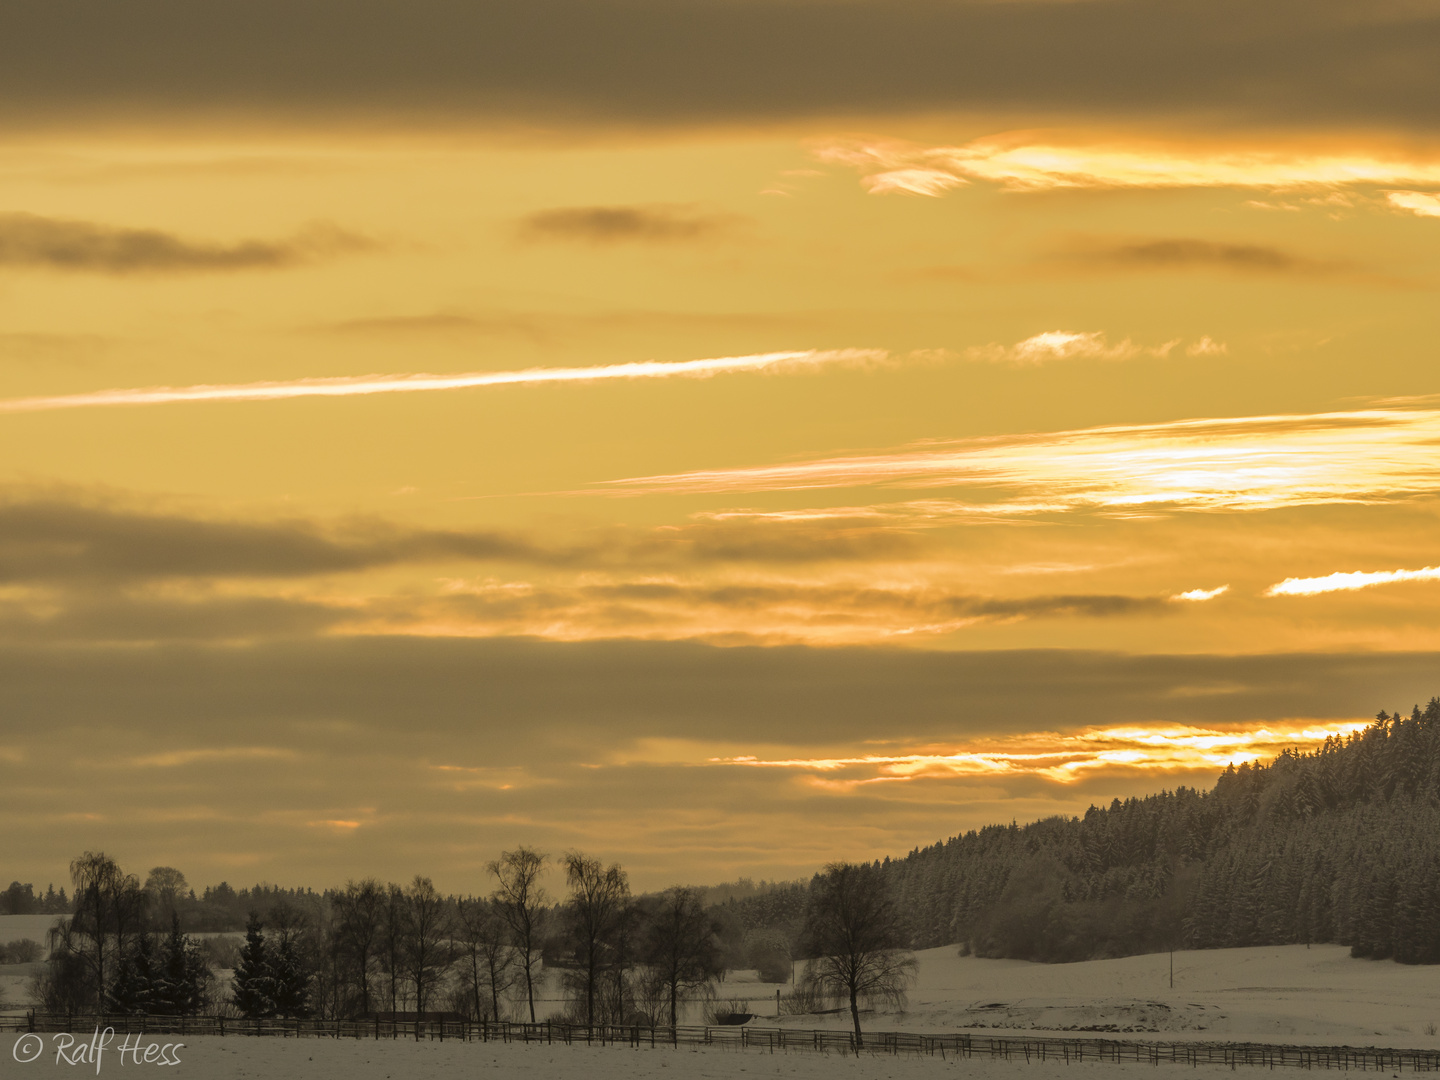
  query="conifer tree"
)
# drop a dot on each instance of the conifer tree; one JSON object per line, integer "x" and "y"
{"x": 133, "y": 990}
{"x": 182, "y": 985}
{"x": 291, "y": 979}
{"x": 254, "y": 986}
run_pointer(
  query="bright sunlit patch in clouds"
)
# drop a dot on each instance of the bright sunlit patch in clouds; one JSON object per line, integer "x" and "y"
{"x": 350, "y": 386}
{"x": 1065, "y": 758}
{"x": 1245, "y": 463}
{"x": 1423, "y": 203}
{"x": 1346, "y": 582}
{"x": 891, "y": 165}
{"x": 1199, "y": 595}
{"x": 1072, "y": 345}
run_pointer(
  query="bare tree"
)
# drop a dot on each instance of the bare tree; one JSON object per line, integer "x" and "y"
{"x": 109, "y": 913}
{"x": 427, "y": 950}
{"x": 167, "y": 885}
{"x": 522, "y": 902}
{"x": 489, "y": 960}
{"x": 360, "y": 918}
{"x": 596, "y": 912}
{"x": 680, "y": 947}
{"x": 853, "y": 930}
{"x": 391, "y": 945}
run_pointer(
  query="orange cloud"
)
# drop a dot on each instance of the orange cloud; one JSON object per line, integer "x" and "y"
{"x": 893, "y": 165}
{"x": 1423, "y": 203}
{"x": 1200, "y": 595}
{"x": 1068, "y": 345}
{"x": 1221, "y": 464}
{"x": 1345, "y": 582}
{"x": 1065, "y": 758}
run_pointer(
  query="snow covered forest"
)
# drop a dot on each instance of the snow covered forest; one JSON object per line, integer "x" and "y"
{"x": 1341, "y": 845}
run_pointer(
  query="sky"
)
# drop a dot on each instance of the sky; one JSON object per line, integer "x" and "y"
{"x": 719, "y": 436}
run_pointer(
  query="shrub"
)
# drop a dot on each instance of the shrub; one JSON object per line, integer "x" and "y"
{"x": 21, "y": 951}
{"x": 769, "y": 955}
{"x": 806, "y": 998}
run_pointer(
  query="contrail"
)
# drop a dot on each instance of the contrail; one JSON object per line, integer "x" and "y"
{"x": 346, "y": 386}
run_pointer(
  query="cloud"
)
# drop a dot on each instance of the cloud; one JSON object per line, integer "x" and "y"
{"x": 1015, "y": 163}
{"x": 657, "y": 224}
{"x": 44, "y": 541}
{"x": 47, "y": 542}
{"x": 364, "y": 722}
{"x": 1181, "y": 254}
{"x": 654, "y": 62}
{"x": 1201, "y": 595}
{"x": 931, "y": 604}
{"x": 1207, "y": 346}
{"x": 1346, "y": 582}
{"x": 1065, "y": 757}
{"x": 1234, "y": 464}
{"x": 359, "y": 385}
{"x": 515, "y": 693}
{"x": 1423, "y": 203}
{"x": 117, "y": 618}
{"x": 1065, "y": 345}
{"x": 29, "y": 241}
{"x": 772, "y": 611}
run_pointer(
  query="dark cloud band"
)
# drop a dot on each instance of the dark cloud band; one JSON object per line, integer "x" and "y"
{"x": 663, "y": 61}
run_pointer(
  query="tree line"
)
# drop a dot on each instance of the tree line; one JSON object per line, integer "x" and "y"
{"x": 377, "y": 949}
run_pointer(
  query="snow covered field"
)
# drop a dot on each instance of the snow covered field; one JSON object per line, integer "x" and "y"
{"x": 15, "y": 978}
{"x": 1287, "y": 994}
{"x": 211, "y": 1058}
{"x": 1272, "y": 994}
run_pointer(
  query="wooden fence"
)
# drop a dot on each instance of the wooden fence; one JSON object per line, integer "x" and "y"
{"x": 762, "y": 1039}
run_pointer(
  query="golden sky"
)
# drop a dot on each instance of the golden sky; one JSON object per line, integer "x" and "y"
{"x": 721, "y": 435}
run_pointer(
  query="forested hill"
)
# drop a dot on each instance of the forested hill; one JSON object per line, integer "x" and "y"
{"x": 1339, "y": 845}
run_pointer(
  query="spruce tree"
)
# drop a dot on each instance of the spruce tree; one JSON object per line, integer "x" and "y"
{"x": 134, "y": 990}
{"x": 253, "y": 989}
{"x": 291, "y": 979}
{"x": 184, "y": 977}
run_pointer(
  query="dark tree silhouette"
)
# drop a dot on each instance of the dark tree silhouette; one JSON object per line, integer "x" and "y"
{"x": 488, "y": 959}
{"x": 679, "y": 945}
{"x": 253, "y": 987}
{"x": 167, "y": 886}
{"x": 595, "y": 914}
{"x": 109, "y": 915}
{"x": 523, "y": 903}
{"x": 359, "y": 918}
{"x": 854, "y": 932}
{"x": 427, "y": 948}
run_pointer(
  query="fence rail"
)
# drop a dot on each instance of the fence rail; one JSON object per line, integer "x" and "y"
{"x": 771, "y": 1039}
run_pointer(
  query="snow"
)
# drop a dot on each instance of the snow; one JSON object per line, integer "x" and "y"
{"x": 15, "y": 978}
{"x": 243, "y": 1058}
{"x": 1286, "y": 994}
